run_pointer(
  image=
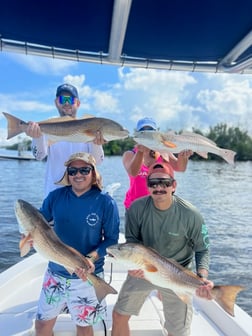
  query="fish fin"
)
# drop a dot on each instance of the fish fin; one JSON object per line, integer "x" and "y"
{"x": 25, "y": 245}
{"x": 69, "y": 270}
{"x": 81, "y": 256}
{"x": 56, "y": 120}
{"x": 102, "y": 288}
{"x": 167, "y": 155}
{"x": 87, "y": 116}
{"x": 203, "y": 154}
{"x": 185, "y": 298}
{"x": 150, "y": 267}
{"x": 199, "y": 136}
{"x": 167, "y": 143}
{"x": 14, "y": 125}
{"x": 225, "y": 296}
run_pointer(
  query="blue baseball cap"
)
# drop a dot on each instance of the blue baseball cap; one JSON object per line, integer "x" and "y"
{"x": 67, "y": 88}
{"x": 146, "y": 122}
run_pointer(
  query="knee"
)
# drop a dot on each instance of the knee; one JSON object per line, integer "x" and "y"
{"x": 119, "y": 318}
{"x": 116, "y": 316}
{"x": 43, "y": 328}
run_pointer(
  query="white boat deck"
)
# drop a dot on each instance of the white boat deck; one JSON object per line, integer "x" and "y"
{"x": 20, "y": 287}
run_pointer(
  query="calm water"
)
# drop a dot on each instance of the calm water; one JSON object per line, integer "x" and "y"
{"x": 222, "y": 193}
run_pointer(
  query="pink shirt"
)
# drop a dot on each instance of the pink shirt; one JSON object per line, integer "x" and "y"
{"x": 138, "y": 186}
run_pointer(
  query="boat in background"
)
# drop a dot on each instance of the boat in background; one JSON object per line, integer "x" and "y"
{"x": 22, "y": 153}
{"x": 17, "y": 157}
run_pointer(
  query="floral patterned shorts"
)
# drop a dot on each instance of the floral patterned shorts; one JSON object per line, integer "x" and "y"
{"x": 77, "y": 295}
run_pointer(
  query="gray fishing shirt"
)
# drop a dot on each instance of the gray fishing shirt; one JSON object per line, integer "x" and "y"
{"x": 176, "y": 233}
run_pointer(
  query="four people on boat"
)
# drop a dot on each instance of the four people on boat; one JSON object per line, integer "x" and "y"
{"x": 151, "y": 207}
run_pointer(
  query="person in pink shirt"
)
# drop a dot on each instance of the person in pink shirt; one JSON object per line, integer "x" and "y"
{"x": 138, "y": 160}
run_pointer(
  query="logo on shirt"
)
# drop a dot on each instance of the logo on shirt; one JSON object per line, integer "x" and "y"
{"x": 143, "y": 174}
{"x": 92, "y": 219}
{"x": 204, "y": 232}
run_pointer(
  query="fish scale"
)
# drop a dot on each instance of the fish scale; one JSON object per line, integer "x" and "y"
{"x": 70, "y": 129}
{"x": 48, "y": 244}
{"x": 167, "y": 273}
{"x": 171, "y": 143}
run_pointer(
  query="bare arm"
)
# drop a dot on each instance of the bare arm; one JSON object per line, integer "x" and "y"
{"x": 133, "y": 161}
{"x": 97, "y": 152}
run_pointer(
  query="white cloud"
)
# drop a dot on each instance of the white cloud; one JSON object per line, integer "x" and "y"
{"x": 160, "y": 94}
{"x": 105, "y": 102}
{"x": 13, "y": 103}
{"x": 43, "y": 65}
{"x": 180, "y": 100}
{"x": 231, "y": 103}
{"x": 93, "y": 100}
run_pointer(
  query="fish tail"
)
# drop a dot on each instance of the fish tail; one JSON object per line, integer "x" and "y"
{"x": 225, "y": 296}
{"x": 102, "y": 288}
{"x": 15, "y": 125}
{"x": 229, "y": 155}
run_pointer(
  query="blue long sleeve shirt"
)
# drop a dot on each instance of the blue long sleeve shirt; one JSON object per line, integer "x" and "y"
{"x": 89, "y": 222}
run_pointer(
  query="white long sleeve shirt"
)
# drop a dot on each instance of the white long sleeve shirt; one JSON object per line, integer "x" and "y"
{"x": 57, "y": 154}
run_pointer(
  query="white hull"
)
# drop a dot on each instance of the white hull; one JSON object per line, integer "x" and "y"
{"x": 20, "y": 286}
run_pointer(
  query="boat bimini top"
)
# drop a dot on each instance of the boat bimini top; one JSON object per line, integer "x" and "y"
{"x": 187, "y": 35}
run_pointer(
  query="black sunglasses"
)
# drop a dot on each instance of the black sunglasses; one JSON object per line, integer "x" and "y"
{"x": 72, "y": 171}
{"x": 162, "y": 182}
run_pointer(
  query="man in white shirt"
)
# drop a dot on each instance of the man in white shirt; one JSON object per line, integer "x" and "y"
{"x": 67, "y": 103}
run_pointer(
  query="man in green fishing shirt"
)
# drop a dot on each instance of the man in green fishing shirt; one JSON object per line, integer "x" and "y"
{"x": 175, "y": 229}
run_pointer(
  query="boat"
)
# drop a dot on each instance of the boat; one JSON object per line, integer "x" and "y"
{"x": 22, "y": 153}
{"x": 22, "y": 282}
{"x": 187, "y": 35}
{"x": 16, "y": 157}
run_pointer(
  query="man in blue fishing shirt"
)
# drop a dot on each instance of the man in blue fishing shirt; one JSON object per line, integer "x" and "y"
{"x": 86, "y": 219}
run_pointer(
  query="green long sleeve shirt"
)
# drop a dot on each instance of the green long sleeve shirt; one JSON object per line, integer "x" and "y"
{"x": 178, "y": 232}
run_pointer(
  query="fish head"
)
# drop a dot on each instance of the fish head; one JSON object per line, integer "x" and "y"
{"x": 111, "y": 130}
{"x": 28, "y": 216}
{"x": 129, "y": 254}
{"x": 153, "y": 140}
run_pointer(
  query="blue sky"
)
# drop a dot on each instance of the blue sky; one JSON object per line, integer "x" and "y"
{"x": 176, "y": 100}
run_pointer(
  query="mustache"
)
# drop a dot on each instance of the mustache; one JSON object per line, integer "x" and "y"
{"x": 159, "y": 192}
